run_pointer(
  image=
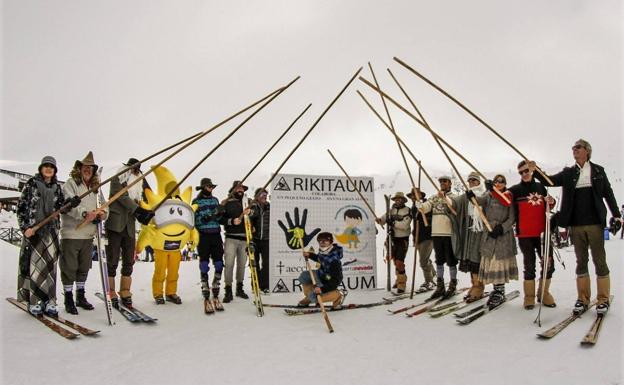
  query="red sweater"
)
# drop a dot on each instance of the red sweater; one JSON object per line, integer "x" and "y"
{"x": 530, "y": 208}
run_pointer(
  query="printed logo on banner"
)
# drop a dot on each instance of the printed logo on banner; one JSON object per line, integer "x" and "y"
{"x": 295, "y": 233}
{"x": 351, "y": 228}
{"x": 280, "y": 287}
{"x": 281, "y": 185}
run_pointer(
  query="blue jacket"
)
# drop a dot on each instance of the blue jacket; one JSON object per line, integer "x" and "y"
{"x": 330, "y": 272}
{"x": 208, "y": 213}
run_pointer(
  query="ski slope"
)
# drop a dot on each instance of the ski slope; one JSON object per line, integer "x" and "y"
{"x": 368, "y": 346}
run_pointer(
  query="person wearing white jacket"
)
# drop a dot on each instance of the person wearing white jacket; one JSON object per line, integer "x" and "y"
{"x": 77, "y": 242}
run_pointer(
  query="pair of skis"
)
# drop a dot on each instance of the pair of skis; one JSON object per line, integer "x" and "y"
{"x": 210, "y": 306}
{"x": 448, "y": 308}
{"x": 590, "y": 338}
{"x": 477, "y": 312}
{"x": 131, "y": 314}
{"x": 255, "y": 282}
{"x": 58, "y": 324}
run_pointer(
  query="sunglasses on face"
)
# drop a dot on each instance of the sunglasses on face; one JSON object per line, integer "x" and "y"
{"x": 577, "y": 147}
{"x": 522, "y": 172}
{"x": 48, "y": 165}
{"x": 499, "y": 181}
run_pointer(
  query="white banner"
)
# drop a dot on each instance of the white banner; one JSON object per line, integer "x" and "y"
{"x": 313, "y": 203}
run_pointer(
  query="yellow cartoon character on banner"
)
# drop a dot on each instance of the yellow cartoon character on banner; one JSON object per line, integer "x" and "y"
{"x": 170, "y": 230}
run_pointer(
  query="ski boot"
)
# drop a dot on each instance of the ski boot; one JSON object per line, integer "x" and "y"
{"x": 81, "y": 300}
{"x": 173, "y": 298}
{"x": 497, "y": 297}
{"x": 240, "y": 292}
{"x": 159, "y": 299}
{"x": 227, "y": 298}
{"x": 580, "y": 307}
{"x": 452, "y": 287}
{"x": 51, "y": 309}
{"x": 127, "y": 302}
{"x": 218, "y": 306}
{"x": 115, "y": 302}
{"x": 439, "y": 291}
{"x": 35, "y": 309}
{"x": 70, "y": 306}
{"x": 602, "y": 308}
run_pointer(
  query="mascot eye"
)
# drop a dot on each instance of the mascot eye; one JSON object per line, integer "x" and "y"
{"x": 180, "y": 211}
{"x": 171, "y": 211}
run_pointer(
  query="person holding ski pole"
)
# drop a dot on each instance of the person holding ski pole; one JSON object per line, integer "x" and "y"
{"x": 585, "y": 187}
{"x": 327, "y": 277}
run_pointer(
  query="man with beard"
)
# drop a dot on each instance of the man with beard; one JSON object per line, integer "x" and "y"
{"x": 77, "y": 243}
{"x": 235, "y": 240}
{"x": 530, "y": 205}
{"x": 400, "y": 220}
{"x": 120, "y": 230}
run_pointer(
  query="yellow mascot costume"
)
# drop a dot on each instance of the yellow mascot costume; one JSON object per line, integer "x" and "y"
{"x": 168, "y": 233}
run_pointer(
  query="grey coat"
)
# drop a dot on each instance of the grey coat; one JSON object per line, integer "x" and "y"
{"x": 496, "y": 213}
{"x": 469, "y": 253}
{"x": 121, "y": 212}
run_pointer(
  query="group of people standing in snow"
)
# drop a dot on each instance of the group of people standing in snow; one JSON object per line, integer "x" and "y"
{"x": 461, "y": 239}
{"x": 66, "y": 241}
{"x": 453, "y": 227}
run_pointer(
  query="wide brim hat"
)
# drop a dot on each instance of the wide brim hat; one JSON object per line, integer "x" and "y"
{"x": 205, "y": 182}
{"x": 412, "y": 196}
{"x": 86, "y": 161}
{"x": 399, "y": 195}
{"x": 259, "y": 190}
{"x": 238, "y": 183}
{"x": 133, "y": 162}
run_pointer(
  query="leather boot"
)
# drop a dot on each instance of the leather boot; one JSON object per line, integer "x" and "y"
{"x": 81, "y": 300}
{"x": 478, "y": 289}
{"x": 549, "y": 301}
{"x": 240, "y": 292}
{"x": 603, "y": 298}
{"x": 124, "y": 290}
{"x": 529, "y": 294}
{"x": 334, "y": 297}
{"x": 307, "y": 289}
{"x": 440, "y": 290}
{"x": 583, "y": 290}
{"x": 451, "y": 288}
{"x": 228, "y": 294}
{"x": 401, "y": 281}
{"x": 70, "y": 307}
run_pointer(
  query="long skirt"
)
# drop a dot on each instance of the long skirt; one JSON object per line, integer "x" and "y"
{"x": 496, "y": 270}
{"x": 36, "y": 280}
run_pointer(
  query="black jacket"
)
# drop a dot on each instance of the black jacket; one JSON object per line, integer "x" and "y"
{"x": 600, "y": 186}
{"x": 233, "y": 208}
{"x": 260, "y": 220}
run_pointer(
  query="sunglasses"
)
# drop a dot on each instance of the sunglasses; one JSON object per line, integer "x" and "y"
{"x": 499, "y": 181}
{"x": 522, "y": 172}
{"x": 48, "y": 165}
{"x": 577, "y": 147}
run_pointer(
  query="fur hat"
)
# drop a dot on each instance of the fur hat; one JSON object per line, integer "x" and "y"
{"x": 48, "y": 160}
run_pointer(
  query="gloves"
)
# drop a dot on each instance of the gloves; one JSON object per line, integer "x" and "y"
{"x": 614, "y": 225}
{"x": 496, "y": 231}
{"x": 470, "y": 194}
{"x": 489, "y": 185}
{"x": 143, "y": 216}
{"x": 73, "y": 202}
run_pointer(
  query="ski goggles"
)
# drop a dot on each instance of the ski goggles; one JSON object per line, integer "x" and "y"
{"x": 174, "y": 211}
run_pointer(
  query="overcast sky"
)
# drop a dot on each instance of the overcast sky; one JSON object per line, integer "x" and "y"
{"x": 125, "y": 78}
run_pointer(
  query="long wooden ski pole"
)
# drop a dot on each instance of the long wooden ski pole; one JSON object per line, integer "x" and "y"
{"x": 393, "y": 130}
{"x": 424, "y": 170}
{"x": 438, "y": 138}
{"x": 462, "y": 106}
{"x": 203, "y": 159}
{"x": 275, "y": 143}
{"x": 195, "y": 139}
{"x": 416, "y": 242}
{"x": 368, "y": 205}
{"x": 319, "y": 300}
{"x": 474, "y": 201}
{"x": 312, "y": 127}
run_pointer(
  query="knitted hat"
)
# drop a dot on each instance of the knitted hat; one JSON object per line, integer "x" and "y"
{"x": 48, "y": 160}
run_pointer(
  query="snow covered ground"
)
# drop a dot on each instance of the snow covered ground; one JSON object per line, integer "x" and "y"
{"x": 368, "y": 346}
